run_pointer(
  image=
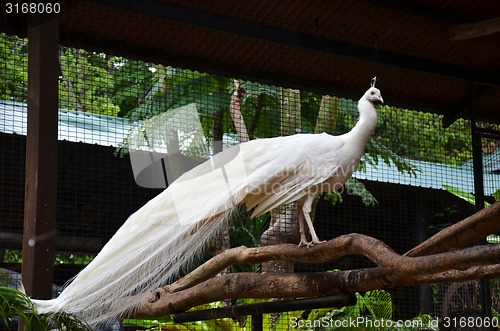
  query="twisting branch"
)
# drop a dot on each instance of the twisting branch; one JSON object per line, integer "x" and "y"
{"x": 428, "y": 262}
{"x": 350, "y": 244}
{"x": 294, "y": 285}
{"x": 461, "y": 234}
{"x": 397, "y": 270}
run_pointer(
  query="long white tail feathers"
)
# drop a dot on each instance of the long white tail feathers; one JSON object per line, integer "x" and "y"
{"x": 147, "y": 252}
{"x": 155, "y": 242}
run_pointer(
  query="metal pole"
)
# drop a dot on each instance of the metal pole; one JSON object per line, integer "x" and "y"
{"x": 477, "y": 163}
{"x": 266, "y": 308}
{"x": 257, "y": 322}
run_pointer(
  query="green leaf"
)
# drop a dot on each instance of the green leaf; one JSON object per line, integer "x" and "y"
{"x": 496, "y": 195}
{"x": 463, "y": 195}
{"x": 493, "y": 239}
{"x": 355, "y": 187}
{"x": 14, "y": 303}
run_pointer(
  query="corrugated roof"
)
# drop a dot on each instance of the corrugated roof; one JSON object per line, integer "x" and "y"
{"x": 74, "y": 126}
{"x": 431, "y": 175}
{"x": 104, "y": 130}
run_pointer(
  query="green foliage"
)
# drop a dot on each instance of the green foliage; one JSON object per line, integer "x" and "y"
{"x": 493, "y": 239}
{"x": 496, "y": 195}
{"x": 420, "y": 136}
{"x": 247, "y": 232}
{"x": 13, "y": 68}
{"x": 376, "y": 151}
{"x": 463, "y": 195}
{"x": 373, "y": 305}
{"x": 85, "y": 82}
{"x": 89, "y": 81}
{"x": 176, "y": 87}
{"x": 261, "y": 109}
{"x": 15, "y": 256}
{"x": 495, "y": 314}
{"x": 354, "y": 187}
{"x": 167, "y": 323}
{"x": 372, "y": 311}
{"x": 132, "y": 80}
{"x": 73, "y": 259}
{"x": 332, "y": 197}
{"x": 15, "y": 304}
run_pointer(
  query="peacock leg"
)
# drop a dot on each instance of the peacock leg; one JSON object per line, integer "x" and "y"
{"x": 305, "y": 207}
{"x": 303, "y": 238}
{"x": 315, "y": 240}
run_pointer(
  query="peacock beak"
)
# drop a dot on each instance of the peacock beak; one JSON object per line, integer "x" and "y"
{"x": 379, "y": 101}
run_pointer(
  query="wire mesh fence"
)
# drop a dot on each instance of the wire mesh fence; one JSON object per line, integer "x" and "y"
{"x": 128, "y": 128}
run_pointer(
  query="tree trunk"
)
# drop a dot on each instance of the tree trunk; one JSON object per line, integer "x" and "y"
{"x": 68, "y": 84}
{"x": 222, "y": 241}
{"x": 327, "y": 116}
{"x": 283, "y": 227}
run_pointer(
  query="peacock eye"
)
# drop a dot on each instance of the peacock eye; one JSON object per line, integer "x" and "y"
{"x": 372, "y": 93}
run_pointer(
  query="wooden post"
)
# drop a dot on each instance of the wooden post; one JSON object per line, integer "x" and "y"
{"x": 41, "y": 158}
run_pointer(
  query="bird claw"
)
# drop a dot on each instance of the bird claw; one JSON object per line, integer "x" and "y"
{"x": 310, "y": 243}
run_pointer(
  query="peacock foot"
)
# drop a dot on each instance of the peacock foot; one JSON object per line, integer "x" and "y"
{"x": 311, "y": 243}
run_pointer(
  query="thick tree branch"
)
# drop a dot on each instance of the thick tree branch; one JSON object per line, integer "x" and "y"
{"x": 429, "y": 262}
{"x": 397, "y": 270}
{"x": 296, "y": 285}
{"x": 350, "y": 244}
{"x": 461, "y": 234}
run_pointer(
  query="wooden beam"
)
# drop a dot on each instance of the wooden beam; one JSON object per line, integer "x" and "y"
{"x": 69, "y": 244}
{"x": 475, "y": 30}
{"x": 218, "y": 22}
{"x": 41, "y": 158}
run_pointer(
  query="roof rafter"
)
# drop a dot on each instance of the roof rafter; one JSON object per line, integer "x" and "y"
{"x": 255, "y": 30}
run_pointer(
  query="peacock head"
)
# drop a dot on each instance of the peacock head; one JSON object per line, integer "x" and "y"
{"x": 373, "y": 94}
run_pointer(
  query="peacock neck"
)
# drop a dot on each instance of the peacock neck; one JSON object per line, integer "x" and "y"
{"x": 366, "y": 124}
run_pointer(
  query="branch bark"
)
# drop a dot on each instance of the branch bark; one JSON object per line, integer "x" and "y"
{"x": 283, "y": 226}
{"x": 394, "y": 270}
{"x": 461, "y": 234}
{"x": 294, "y": 285}
{"x": 428, "y": 262}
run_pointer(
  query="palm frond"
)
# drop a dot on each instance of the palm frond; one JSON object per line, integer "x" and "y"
{"x": 17, "y": 306}
{"x": 374, "y": 151}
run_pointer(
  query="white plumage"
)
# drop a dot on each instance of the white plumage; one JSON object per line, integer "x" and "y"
{"x": 174, "y": 227}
